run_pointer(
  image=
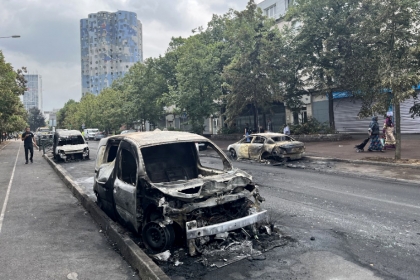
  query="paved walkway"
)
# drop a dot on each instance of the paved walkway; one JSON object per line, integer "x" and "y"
{"x": 44, "y": 232}
{"x": 345, "y": 149}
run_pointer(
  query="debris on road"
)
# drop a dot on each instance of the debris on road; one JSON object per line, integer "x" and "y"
{"x": 164, "y": 256}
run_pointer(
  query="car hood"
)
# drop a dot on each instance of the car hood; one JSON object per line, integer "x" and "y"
{"x": 189, "y": 190}
{"x": 69, "y": 148}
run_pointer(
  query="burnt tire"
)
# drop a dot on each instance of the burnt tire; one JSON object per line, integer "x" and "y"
{"x": 233, "y": 154}
{"x": 158, "y": 238}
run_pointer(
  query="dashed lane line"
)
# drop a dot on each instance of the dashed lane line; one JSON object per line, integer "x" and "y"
{"x": 6, "y": 199}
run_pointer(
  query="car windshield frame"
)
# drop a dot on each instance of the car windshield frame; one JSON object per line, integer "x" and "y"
{"x": 70, "y": 140}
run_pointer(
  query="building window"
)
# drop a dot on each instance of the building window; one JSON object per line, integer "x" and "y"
{"x": 271, "y": 11}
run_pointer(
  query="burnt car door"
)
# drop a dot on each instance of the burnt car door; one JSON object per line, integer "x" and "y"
{"x": 104, "y": 169}
{"x": 243, "y": 148}
{"x": 125, "y": 183}
{"x": 257, "y": 146}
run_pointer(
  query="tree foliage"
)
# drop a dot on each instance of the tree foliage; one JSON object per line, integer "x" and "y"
{"x": 35, "y": 118}
{"x": 12, "y": 85}
{"x": 251, "y": 77}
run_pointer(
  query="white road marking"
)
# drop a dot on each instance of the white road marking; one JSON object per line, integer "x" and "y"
{"x": 6, "y": 199}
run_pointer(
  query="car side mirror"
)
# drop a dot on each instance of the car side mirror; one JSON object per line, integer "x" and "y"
{"x": 87, "y": 142}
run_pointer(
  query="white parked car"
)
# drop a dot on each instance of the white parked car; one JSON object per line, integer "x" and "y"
{"x": 89, "y": 133}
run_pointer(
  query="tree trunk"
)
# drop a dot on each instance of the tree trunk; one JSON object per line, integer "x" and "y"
{"x": 397, "y": 119}
{"x": 331, "y": 109}
{"x": 255, "y": 111}
{"x": 264, "y": 121}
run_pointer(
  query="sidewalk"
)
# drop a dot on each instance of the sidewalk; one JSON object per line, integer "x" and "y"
{"x": 45, "y": 232}
{"x": 345, "y": 149}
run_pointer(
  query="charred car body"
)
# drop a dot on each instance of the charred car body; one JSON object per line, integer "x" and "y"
{"x": 261, "y": 146}
{"x": 155, "y": 184}
{"x": 69, "y": 144}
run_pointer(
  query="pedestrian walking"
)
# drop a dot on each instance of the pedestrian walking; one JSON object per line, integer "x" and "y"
{"x": 28, "y": 143}
{"x": 269, "y": 126}
{"x": 247, "y": 132}
{"x": 286, "y": 129}
{"x": 389, "y": 132}
{"x": 375, "y": 142}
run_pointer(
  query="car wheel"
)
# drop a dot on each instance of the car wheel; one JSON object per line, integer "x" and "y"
{"x": 158, "y": 238}
{"x": 233, "y": 154}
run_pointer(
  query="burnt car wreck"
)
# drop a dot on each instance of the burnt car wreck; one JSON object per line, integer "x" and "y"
{"x": 155, "y": 184}
{"x": 267, "y": 146}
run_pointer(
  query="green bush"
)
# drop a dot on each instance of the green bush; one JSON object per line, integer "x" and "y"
{"x": 228, "y": 130}
{"x": 312, "y": 126}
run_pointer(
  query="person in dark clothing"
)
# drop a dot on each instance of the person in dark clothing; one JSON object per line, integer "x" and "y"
{"x": 28, "y": 143}
{"x": 375, "y": 143}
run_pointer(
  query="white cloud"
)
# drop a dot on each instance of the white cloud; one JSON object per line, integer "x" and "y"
{"x": 50, "y": 43}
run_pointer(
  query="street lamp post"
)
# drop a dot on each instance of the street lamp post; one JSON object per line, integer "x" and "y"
{"x": 13, "y": 36}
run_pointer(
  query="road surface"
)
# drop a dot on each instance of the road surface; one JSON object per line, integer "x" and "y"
{"x": 344, "y": 226}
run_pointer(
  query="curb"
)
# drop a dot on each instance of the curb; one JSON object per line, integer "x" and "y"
{"x": 147, "y": 269}
{"x": 359, "y": 161}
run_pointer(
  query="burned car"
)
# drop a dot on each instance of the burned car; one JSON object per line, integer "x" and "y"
{"x": 69, "y": 144}
{"x": 260, "y": 146}
{"x": 155, "y": 184}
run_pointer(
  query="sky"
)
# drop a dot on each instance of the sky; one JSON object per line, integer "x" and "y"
{"x": 50, "y": 34}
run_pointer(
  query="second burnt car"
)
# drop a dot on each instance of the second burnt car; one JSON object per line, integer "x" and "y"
{"x": 259, "y": 146}
{"x": 155, "y": 184}
{"x": 69, "y": 144}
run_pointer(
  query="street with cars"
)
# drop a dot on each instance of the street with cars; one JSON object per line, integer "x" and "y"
{"x": 337, "y": 224}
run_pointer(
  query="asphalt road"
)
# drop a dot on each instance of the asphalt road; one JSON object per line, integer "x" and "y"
{"x": 344, "y": 226}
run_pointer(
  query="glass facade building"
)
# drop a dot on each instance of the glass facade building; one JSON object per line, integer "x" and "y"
{"x": 33, "y": 94}
{"x": 110, "y": 44}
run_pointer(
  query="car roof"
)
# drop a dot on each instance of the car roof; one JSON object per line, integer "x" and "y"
{"x": 64, "y": 133}
{"x": 268, "y": 134}
{"x": 151, "y": 138}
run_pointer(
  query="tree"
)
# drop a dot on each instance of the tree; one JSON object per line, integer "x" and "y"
{"x": 324, "y": 36}
{"x": 250, "y": 77}
{"x": 35, "y": 118}
{"x": 12, "y": 84}
{"x": 391, "y": 29}
{"x": 110, "y": 115}
{"x": 198, "y": 82}
{"x": 141, "y": 88}
{"x": 66, "y": 115}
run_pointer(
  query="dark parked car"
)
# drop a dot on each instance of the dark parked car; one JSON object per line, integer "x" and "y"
{"x": 156, "y": 184}
{"x": 98, "y": 136}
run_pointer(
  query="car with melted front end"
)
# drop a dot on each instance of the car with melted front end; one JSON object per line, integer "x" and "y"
{"x": 69, "y": 145}
{"x": 156, "y": 184}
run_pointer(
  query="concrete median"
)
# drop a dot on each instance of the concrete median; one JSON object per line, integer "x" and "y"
{"x": 129, "y": 250}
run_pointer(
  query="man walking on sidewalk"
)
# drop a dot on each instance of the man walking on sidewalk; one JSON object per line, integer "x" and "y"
{"x": 28, "y": 142}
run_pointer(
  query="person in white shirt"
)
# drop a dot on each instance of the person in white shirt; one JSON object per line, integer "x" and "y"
{"x": 286, "y": 129}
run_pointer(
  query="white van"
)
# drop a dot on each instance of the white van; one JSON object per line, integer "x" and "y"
{"x": 89, "y": 133}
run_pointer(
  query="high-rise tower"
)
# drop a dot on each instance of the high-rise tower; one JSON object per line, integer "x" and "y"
{"x": 33, "y": 93}
{"x": 110, "y": 44}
